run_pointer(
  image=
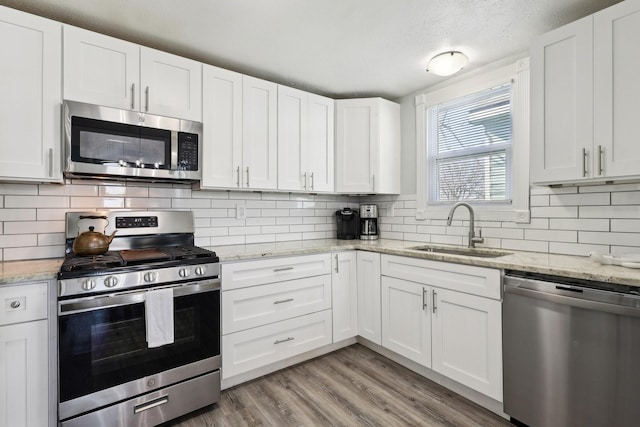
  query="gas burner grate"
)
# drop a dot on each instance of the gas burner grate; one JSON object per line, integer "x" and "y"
{"x": 98, "y": 262}
{"x": 187, "y": 252}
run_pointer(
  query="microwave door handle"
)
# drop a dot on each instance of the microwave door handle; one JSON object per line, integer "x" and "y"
{"x": 81, "y": 305}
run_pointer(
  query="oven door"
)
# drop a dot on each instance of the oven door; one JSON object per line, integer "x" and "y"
{"x": 103, "y": 353}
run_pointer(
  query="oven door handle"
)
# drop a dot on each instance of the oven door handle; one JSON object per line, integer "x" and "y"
{"x": 80, "y": 305}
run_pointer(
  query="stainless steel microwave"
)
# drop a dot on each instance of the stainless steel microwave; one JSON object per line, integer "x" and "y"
{"x": 103, "y": 142}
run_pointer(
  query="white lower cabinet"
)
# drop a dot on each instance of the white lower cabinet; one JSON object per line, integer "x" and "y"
{"x": 406, "y": 319}
{"x": 257, "y": 347}
{"x": 24, "y": 356}
{"x": 467, "y": 340}
{"x": 369, "y": 307}
{"x": 447, "y": 317}
{"x": 274, "y": 309}
{"x": 344, "y": 292}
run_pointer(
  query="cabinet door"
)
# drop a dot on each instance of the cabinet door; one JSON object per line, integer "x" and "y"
{"x": 320, "y": 140}
{"x": 617, "y": 90}
{"x": 562, "y": 104}
{"x": 406, "y": 319}
{"x": 101, "y": 70}
{"x": 356, "y": 131}
{"x": 24, "y": 375}
{"x": 369, "y": 315}
{"x": 222, "y": 128}
{"x": 259, "y": 133}
{"x": 31, "y": 91}
{"x": 170, "y": 85}
{"x": 292, "y": 139}
{"x": 467, "y": 340}
{"x": 344, "y": 286}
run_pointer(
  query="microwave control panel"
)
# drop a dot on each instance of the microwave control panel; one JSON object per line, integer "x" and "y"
{"x": 187, "y": 151}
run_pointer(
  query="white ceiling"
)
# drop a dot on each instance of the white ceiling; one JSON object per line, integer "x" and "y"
{"x": 339, "y": 48}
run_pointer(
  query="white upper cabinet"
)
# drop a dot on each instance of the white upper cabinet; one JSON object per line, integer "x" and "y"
{"x": 103, "y": 70}
{"x": 259, "y": 133}
{"x": 562, "y": 103}
{"x": 617, "y": 89}
{"x": 222, "y": 128}
{"x": 31, "y": 82}
{"x": 583, "y": 99}
{"x": 170, "y": 85}
{"x": 367, "y": 146}
{"x": 305, "y": 141}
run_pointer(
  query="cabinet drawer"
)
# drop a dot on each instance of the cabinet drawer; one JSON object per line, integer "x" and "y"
{"x": 470, "y": 279}
{"x": 253, "y": 348}
{"x": 251, "y": 273}
{"x": 256, "y": 306}
{"x": 23, "y": 303}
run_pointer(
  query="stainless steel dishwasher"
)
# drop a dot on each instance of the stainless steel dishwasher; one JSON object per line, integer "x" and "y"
{"x": 571, "y": 352}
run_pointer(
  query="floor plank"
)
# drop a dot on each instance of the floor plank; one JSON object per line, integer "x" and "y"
{"x": 353, "y": 386}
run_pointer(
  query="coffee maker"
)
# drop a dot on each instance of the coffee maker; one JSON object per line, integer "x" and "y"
{"x": 368, "y": 222}
{"x": 348, "y": 224}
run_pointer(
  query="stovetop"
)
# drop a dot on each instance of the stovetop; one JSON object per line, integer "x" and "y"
{"x": 134, "y": 259}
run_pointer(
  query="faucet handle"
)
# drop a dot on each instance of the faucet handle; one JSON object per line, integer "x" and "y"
{"x": 478, "y": 239}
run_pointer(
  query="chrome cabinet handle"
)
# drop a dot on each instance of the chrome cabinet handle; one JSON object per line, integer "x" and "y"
{"x": 238, "y": 177}
{"x": 337, "y": 264}
{"x": 133, "y": 96}
{"x": 374, "y": 183}
{"x": 248, "y": 176}
{"x": 312, "y": 180}
{"x": 424, "y": 299}
{"x": 600, "y": 166}
{"x": 434, "y": 296}
{"x": 15, "y": 304}
{"x": 282, "y": 301}
{"x": 584, "y": 162}
{"x": 284, "y": 340}
{"x": 146, "y": 102}
{"x": 149, "y": 405}
{"x": 50, "y": 162}
{"x": 282, "y": 269}
{"x": 305, "y": 180}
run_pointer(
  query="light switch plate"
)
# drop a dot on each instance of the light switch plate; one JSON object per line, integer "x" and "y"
{"x": 241, "y": 210}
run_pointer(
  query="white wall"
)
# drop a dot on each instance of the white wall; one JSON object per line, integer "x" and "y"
{"x": 32, "y": 215}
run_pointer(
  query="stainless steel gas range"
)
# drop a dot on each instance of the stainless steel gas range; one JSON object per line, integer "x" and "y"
{"x": 138, "y": 326}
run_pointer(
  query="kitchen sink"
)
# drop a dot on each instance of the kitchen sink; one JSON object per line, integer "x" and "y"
{"x": 474, "y": 252}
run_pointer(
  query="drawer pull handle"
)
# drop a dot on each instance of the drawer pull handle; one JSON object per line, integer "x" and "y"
{"x": 282, "y": 269}
{"x": 282, "y": 301}
{"x": 424, "y": 299}
{"x": 15, "y": 304}
{"x": 284, "y": 340}
{"x": 149, "y": 405}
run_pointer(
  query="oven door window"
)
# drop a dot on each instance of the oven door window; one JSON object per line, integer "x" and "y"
{"x": 107, "y": 347}
{"x": 118, "y": 144}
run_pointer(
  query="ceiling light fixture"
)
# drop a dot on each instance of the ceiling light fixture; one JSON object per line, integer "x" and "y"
{"x": 447, "y": 63}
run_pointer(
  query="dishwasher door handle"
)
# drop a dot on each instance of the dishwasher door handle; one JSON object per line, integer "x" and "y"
{"x": 573, "y": 301}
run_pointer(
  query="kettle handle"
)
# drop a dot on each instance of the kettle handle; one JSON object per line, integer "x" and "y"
{"x": 92, "y": 217}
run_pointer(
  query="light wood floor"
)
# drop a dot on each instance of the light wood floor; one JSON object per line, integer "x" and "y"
{"x": 353, "y": 386}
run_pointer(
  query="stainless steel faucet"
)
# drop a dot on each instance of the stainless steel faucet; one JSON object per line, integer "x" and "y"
{"x": 472, "y": 234}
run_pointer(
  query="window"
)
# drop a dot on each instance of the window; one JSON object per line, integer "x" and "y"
{"x": 472, "y": 144}
{"x": 469, "y": 147}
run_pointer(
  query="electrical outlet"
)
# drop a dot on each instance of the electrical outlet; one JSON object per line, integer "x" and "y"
{"x": 241, "y": 210}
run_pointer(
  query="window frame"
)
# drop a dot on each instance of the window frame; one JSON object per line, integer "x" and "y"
{"x": 518, "y": 209}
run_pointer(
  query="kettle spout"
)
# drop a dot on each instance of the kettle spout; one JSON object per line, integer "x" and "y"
{"x": 110, "y": 238}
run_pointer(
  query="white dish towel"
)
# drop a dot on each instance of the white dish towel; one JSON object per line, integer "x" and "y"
{"x": 158, "y": 306}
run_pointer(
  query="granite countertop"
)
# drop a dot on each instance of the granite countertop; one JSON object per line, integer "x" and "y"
{"x": 560, "y": 265}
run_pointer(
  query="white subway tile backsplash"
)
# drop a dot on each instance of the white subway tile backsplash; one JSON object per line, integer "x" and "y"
{"x": 51, "y": 239}
{"x": 18, "y": 240}
{"x": 227, "y": 240}
{"x": 174, "y": 193}
{"x": 525, "y": 245}
{"x": 19, "y": 189}
{"x": 147, "y": 203}
{"x": 595, "y": 224}
{"x": 36, "y": 202}
{"x": 288, "y": 237}
{"x": 555, "y": 211}
{"x": 35, "y": 252}
{"x": 302, "y": 228}
{"x": 281, "y": 212}
{"x": 626, "y": 198}
{"x": 588, "y": 199}
{"x": 539, "y": 200}
{"x": 611, "y": 238}
{"x": 610, "y": 188}
{"x": 260, "y": 238}
{"x": 275, "y": 229}
{"x": 552, "y": 235}
{"x": 191, "y": 203}
{"x": 263, "y": 221}
{"x": 241, "y": 231}
{"x": 93, "y": 203}
{"x": 626, "y": 225}
{"x": 28, "y": 227}
{"x": 576, "y": 249}
{"x": 609, "y": 211}
{"x": 69, "y": 190}
{"x": 289, "y": 220}
{"x": 17, "y": 214}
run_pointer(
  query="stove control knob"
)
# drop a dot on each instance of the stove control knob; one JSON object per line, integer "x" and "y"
{"x": 88, "y": 284}
{"x": 150, "y": 277}
{"x": 200, "y": 270}
{"x": 110, "y": 281}
{"x": 184, "y": 272}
